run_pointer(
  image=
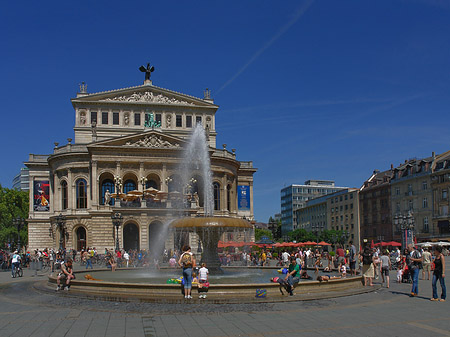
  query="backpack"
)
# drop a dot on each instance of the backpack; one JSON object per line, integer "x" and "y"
{"x": 186, "y": 260}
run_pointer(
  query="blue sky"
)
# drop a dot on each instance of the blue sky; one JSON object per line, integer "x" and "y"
{"x": 306, "y": 89}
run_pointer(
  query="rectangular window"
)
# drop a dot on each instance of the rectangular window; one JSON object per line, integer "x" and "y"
{"x": 351, "y": 216}
{"x": 425, "y": 203}
{"x": 158, "y": 118}
{"x": 198, "y": 119}
{"x": 444, "y": 194}
{"x": 410, "y": 205}
{"x": 351, "y": 196}
{"x": 179, "y": 122}
{"x": 137, "y": 118}
{"x": 397, "y": 191}
{"x": 104, "y": 117}
{"x": 424, "y": 185}
{"x": 346, "y": 207}
{"x": 346, "y": 197}
{"x": 397, "y": 206}
{"x": 93, "y": 116}
{"x": 189, "y": 121}
{"x": 115, "y": 118}
{"x": 426, "y": 228}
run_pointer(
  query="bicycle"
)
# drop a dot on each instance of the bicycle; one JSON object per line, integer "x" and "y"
{"x": 18, "y": 272}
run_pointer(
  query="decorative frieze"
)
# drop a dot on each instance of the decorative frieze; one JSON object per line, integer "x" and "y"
{"x": 147, "y": 97}
{"x": 154, "y": 142}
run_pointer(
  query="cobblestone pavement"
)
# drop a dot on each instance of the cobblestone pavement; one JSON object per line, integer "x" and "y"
{"x": 26, "y": 311}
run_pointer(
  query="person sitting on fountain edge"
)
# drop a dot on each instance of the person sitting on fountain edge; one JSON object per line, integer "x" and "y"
{"x": 293, "y": 276}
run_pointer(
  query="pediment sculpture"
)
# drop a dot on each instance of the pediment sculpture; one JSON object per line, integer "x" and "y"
{"x": 154, "y": 141}
{"x": 147, "y": 97}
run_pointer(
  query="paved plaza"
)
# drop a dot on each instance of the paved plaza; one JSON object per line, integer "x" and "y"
{"x": 26, "y": 310}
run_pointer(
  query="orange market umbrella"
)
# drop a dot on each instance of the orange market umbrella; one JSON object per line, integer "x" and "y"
{"x": 323, "y": 243}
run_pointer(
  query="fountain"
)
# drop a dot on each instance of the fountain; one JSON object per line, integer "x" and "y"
{"x": 147, "y": 285}
{"x": 208, "y": 228}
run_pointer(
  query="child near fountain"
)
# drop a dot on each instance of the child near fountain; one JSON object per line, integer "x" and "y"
{"x": 203, "y": 283}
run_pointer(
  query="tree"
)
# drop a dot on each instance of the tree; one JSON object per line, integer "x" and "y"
{"x": 259, "y": 233}
{"x": 13, "y": 204}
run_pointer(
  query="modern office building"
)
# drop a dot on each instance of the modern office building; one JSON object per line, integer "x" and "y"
{"x": 294, "y": 197}
{"x": 22, "y": 180}
{"x": 337, "y": 211}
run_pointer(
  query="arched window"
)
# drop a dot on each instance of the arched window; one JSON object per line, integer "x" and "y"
{"x": 229, "y": 198}
{"x": 216, "y": 187}
{"x": 64, "y": 194}
{"x": 81, "y": 193}
{"x": 81, "y": 238}
{"x": 151, "y": 183}
{"x": 107, "y": 185}
{"x": 129, "y": 185}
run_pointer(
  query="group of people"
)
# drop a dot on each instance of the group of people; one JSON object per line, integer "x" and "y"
{"x": 408, "y": 268}
{"x": 201, "y": 277}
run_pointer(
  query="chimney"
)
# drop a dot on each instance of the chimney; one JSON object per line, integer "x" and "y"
{"x": 392, "y": 166}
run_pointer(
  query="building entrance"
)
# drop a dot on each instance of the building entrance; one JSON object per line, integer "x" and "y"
{"x": 131, "y": 237}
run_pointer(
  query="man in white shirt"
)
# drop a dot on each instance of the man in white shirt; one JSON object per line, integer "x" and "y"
{"x": 126, "y": 257}
{"x": 15, "y": 262}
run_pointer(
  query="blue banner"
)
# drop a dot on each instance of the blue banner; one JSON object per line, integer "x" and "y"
{"x": 243, "y": 197}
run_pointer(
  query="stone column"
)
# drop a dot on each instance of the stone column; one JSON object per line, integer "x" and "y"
{"x": 72, "y": 204}
{"x": 223, "y": 193}
{"x": 251, "y": 198}
{"x": 95, "y": 188}
{"x": 164, "y": 186}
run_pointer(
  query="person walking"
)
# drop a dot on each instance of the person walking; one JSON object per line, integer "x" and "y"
{"x": 352, "y": 259}
{"x": 439, "y": 274}
{"x": 368, "y": 268}
{"x": 187, "y": 262}
{"x": 415, "y": 259}
{"x": 426, "y": 262}
{"x": 385, "y": 267}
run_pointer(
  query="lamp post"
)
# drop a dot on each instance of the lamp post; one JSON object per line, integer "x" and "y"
{"x": 60, "y": 224}
{"x": 316, "y": 228}
{"x": 406, "y": 224}
{"x": 117, "y": 219}
{"x": 344, "y": 237}
{"x": 18, "y": 222}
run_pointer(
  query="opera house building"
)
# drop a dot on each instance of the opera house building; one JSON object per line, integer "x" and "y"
{"x": 125, "y": 160}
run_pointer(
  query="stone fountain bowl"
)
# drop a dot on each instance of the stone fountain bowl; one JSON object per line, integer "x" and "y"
{"x": 223, "y": 223}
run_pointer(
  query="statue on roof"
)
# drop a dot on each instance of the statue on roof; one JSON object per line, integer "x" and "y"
{"x": 147, "y": 71}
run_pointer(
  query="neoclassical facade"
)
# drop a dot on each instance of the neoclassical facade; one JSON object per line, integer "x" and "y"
{"x": 129, "y": 142}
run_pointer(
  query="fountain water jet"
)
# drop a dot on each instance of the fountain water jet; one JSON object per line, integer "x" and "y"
{"x": 208, "y": 228}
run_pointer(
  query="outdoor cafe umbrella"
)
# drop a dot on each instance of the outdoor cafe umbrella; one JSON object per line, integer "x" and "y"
{"x": 394, "y": 244}
{"x": 135, "y": 192}
{"x": 323, "y": 243}
{"x": 151, "y": 190}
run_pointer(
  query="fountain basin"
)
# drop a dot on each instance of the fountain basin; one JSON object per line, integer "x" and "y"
{"x": 218, "y": 293}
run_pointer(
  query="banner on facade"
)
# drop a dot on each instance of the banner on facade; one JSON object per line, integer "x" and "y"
{"x": 41, "y": 196}
{"x": 243, "y": 197}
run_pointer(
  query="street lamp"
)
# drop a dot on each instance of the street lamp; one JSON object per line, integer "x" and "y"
{"x": 406, "y": 224}
{"x": 18, "y": 222}
{"x": 316, "y": 228}
{"x": 344, "y": 237}
{"x": 60, "y": 224}
{"x": 117, "y": 219}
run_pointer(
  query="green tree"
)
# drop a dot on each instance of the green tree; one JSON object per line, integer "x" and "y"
{"x": 259, "y": 233}
{"x": 13, "y": 204}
